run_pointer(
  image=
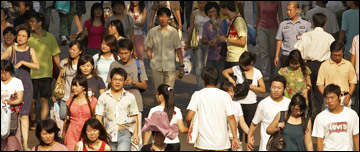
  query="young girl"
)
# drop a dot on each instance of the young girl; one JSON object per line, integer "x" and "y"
{"x": 94, "y": 27}
{"x": 86, "y": 67}
{"x": 93, "y": 137}
{"x": 165, "y": 97}
{"x": 116, "y": 29}
{"x": 297, "y": 127}
{"x": 47, "y": 134}
{"x": 79, "y": 109}
{"x": 138, "y": 12}
{"x": 106, "y": 56}
{"x": 297, "y": 75}
{"x": 239, "y": 117}
{"x": 24, "y": 58}
{"x": 69, "y": 66}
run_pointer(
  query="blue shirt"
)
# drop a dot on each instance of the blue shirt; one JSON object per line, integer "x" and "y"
{"x": 289, "y": 33}
{"x": 350, "y": 24}
{"x": 102, "y": 66}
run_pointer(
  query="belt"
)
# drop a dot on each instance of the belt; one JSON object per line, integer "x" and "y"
{"x": 314, "y": 61}
{"x": 120, "y": 127}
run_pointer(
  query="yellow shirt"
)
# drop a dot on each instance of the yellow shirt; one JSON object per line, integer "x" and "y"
{"x": 239, "y": 30}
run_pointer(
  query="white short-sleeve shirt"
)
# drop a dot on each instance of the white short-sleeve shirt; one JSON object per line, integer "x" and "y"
{"x": 15, "y": 85}
{"x": 251, "y": 97}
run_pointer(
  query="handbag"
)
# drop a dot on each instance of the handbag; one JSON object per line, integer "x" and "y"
{"x": 55, "y": 115}
{"x": 224, "y": 50}
{"x": 276, "y": 141}
{"x": 59, "y": 90}
{"x": 15, "y": 110}
{"x": 63, "y": 6}
{"x": 241, "y": 90}
{"x": 193, "y": 130}
{"x": 194, "y": 43}
{"x": 5, "y": 120}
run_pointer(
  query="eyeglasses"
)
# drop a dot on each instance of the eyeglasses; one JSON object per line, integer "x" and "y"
{"x": 338, "y": 55}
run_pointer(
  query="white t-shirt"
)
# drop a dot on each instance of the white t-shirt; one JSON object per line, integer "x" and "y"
{"x": 265, "y": 113}
{"x": 337, "y": 130}
{"x": 238, "y": 112}
{"x": 15, "y": 85}
{"x": 177, "y": 116}
{"x": 251, "y": 97}
{"x": 212, "y": 105}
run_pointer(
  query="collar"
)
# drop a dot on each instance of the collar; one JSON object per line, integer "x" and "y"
{"x": 297, "y": 21}
{"x": 108, "y": 92}
{"x": 102, "y": 57}
{"x": 234, "y": 16}
{"x": 167, "y": 27}
{"x": 43, "y": 35}
{"x": 318, "y": 29}
{"x": 342, "y": 61}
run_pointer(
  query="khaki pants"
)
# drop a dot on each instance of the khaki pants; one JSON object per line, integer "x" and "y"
{"x": 163, "y": 77}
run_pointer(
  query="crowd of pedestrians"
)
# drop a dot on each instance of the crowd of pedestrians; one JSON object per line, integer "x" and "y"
{"x": 314, "y": 94}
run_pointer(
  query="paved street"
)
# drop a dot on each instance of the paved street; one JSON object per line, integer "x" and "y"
{"x": 184, "y": 88}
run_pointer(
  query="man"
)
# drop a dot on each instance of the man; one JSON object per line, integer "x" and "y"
{"x": 120, "y": 113}
{"x": 290, "y": 32}
{"x": 267, "y": 110}
{"x": 23, "y": 7}
{"x": 349, "y": 25}
{"x": 320, "y": 41}
{"x": 161, "y": 42}
{"x": 336, "y": 128}
{"x": 212, "y": 106}
{"x": 46, "y": 48}
{"x": 337, "y": 71}
{"x": 332, "y": 26}
{"x": 355, "y": 62}
{"x": 237, "y": 40}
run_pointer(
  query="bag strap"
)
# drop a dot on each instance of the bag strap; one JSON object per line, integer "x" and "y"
{"x": 282, "y": 116}
{"x": 231, "y": 26}
{"x": 138, "y": 68}
{"x": 36, "y": 147}
{"x": 13, "y": 51}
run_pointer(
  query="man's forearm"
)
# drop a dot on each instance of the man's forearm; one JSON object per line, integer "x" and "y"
{"x": 57, "y": 60}
{"x": 179, "y": 53}
{"x": 148, "y": 53}
{"x": 233, "y": 127}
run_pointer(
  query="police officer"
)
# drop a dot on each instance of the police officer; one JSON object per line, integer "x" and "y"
{"x": 289, "y": 32}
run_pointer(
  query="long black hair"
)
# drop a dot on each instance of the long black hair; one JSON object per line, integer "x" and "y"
{"x": 95, "y": 6}
{"x": 81, "y": 79}
{"x": 49, "y": 126}
{"x": 299, "y": 100}
{"x": 81, "y": 47}
{"x": 141, "y": 6}
{"x": 168, "y": 94}
{"x": 95, "y": 124}
{"x": 110, "y": 41}
{"x": 295, "y": 56}
{"x": 119, "y": 27}
{"x": 83, "y": 60}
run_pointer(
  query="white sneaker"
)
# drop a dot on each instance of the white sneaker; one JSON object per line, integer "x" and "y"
{"x": 64, "y": 40}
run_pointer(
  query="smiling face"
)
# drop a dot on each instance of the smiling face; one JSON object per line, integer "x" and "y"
{"x": 74, "y": 51}
{"x": 212, "y": 13}
{"x": 9, "y": 38}
{"x": 46, "y": 137}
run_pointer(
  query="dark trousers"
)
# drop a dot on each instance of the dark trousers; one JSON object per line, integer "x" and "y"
{"x": 249, "y": 112}
{"x": 314, "y": 67}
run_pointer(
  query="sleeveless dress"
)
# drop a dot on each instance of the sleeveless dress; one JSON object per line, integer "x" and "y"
{"x": 102, "y": 147}
{"x": 24, "y": 76}
{"x": 294, "y": 137}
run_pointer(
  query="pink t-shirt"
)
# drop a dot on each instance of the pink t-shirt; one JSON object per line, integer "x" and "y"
{"x": 355, "y": 51}
{"x": 268, "y": 15}
{"x": 94, "y": 34}
{"x": 57, "y": 147}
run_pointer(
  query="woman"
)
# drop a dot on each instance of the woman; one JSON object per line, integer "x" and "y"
{"x": 267, "y": 26}
{"x": 94, "y": 27}
{"x": 238, "y": 112}
{"x": 107, "y": 55}
{"x": 297, "y": 127}
{"x": 120, "y": 13}
{"x": 9, "y": 34}
{"x": 4, "y": 22}
{"x": 211, "y": 30}
{"x": 116, "y": 29}
{"x": 47, "y": 134}
{"x": 197, "y": 20}
{"x": 165, "y": 97}
{"x": 80, "y": 10}
{"x": 138, "y": 12}
{"x": 10, "y": 86}
{"x": 246, "y": 71}
{"x": 69, "y": 66}
{"x": 93, "y": 137}
{"x": 79, "y": 109}
{"x": 86, "y": 66}
{"x": 24, "y": 58}
{"x": 297, "y": 75}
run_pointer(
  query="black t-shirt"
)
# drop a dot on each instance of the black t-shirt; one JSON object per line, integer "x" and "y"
{"x": 148, "y": 147}
{"x": 19, "y": 20}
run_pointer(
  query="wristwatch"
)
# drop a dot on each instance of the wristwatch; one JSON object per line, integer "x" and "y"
{"x": 182, "y": 65}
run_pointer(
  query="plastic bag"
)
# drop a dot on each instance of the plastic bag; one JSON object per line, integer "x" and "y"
{"x": 188, "y": 63}
{"x": 63, "y": 6}
{"x": 5, "y": 120}
{"x": 55, "y": 115}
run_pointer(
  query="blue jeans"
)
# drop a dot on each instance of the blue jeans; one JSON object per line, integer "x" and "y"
{"x": 200, "y": 58}
{"x": 123, "y": 141}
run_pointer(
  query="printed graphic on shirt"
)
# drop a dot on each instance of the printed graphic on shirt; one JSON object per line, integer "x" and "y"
{"x": 338, "y": 127}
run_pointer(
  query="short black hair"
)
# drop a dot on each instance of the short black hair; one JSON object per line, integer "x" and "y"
{"x": 210, "y": 5}
{"x": 332, "y": 88}
{"x": 125, "y": 44}
{"x": 228, "y": 4}
{"x": 319, "y": 19}
{"x": 279, "y": 78}
{"x": 40, "y": 18}
{"x": 336, "y": 46}
{"x": 246, "y": 58}
{"x": 210, "y": 75}
{"x": 49, "y": 126}
{"x": 226, "y": 85}
{"x": 24, "y": 29}
{"x": 113, "y": 3}
{"x": 7, "y": 66}
{"x": 163, "y": 10}
{"x": 29, "y": 13}
{"x": 28, "y": 4}
{"x": 9, "y": 30}
{"x": 119, "y": 71}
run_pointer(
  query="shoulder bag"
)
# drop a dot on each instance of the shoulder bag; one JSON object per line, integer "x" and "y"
{"x": 224, "y": 50}
{"x": 59, "y": 90}
{"x": 276, "y": 141}
{"x": 194, "y": 43}
{"x": 241, "y": 90}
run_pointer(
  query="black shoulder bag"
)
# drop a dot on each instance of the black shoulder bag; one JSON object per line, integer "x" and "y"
{"x": 224, "y": 50}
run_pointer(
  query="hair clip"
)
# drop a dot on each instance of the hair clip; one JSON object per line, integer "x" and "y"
{"x": 169, "y": 89}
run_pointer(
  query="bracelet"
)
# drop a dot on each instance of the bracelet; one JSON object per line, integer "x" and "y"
{"x": 182, "y": 66}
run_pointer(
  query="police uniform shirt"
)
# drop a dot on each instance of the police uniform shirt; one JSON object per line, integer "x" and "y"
{"x": 289, "y": 33}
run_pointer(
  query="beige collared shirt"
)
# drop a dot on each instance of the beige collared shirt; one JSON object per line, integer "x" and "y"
{"x": 163, "y": 45}
{"x": 315, "y": 45}
{"x": 342, "y": 74}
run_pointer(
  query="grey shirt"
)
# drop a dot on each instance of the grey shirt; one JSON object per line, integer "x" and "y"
{"x": 132, "y": 72}
{"x": 289, "y": 33}
{"x": 70, "y": 73}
